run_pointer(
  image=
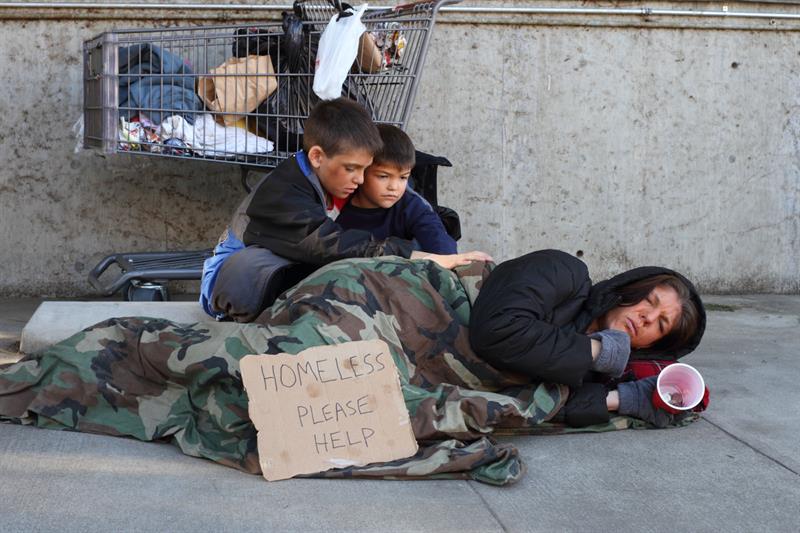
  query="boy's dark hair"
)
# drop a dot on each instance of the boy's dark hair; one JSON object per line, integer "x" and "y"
{"x": 339, "y": 126}
{"x": 398, "y": 150}
{"x": 684, "y": 330}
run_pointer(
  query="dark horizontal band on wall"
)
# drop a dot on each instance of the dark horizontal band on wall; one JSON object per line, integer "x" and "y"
{"x": 783, "y": 16}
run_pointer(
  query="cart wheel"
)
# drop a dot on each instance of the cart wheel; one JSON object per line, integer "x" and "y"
{"x": 124, "y": 291}
{"x": 146, "y": 292}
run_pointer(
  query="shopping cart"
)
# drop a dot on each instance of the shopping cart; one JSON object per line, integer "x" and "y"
{"x": 237, "y": 95}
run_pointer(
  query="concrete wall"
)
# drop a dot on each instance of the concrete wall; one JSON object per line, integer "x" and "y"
{"x": 672, "y": 141}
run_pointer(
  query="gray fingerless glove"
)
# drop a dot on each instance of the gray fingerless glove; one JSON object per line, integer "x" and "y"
{"x": 614, "y": 354}
{"x": 636, "y": 400}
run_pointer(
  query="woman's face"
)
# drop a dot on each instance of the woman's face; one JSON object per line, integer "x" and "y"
{"x": 649, "y": 320}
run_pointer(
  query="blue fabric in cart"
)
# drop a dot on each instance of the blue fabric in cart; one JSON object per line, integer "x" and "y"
{"x": 157, "y": 83}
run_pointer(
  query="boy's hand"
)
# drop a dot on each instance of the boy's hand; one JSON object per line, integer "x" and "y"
{"x": 451, "y": 261}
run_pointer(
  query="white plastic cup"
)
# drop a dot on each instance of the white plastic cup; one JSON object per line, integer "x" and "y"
{"x": 679, "y": 380}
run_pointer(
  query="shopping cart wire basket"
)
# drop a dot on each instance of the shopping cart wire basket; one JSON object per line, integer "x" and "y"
{"x": 241, "y": 94}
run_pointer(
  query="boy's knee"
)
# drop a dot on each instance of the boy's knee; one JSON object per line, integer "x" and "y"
{"x": 249, "y": 281}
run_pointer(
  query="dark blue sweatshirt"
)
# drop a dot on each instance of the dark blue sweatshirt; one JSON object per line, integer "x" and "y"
{"x": 410, "y": 218}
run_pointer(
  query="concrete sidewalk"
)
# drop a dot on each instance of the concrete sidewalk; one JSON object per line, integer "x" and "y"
{"x": 737, "y": 469}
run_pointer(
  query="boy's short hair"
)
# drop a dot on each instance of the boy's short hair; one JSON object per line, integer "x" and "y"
{"x": 339, "y": 126}
{"x": 398, "y": 150}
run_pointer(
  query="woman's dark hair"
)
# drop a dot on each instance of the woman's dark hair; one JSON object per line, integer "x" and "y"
{"x": 398, "y": 150}
{"x": 339, "y": 126}
{"x": 684, "y": 329}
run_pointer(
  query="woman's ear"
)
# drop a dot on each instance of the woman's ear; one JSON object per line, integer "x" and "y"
{"x": 315, "y": 155}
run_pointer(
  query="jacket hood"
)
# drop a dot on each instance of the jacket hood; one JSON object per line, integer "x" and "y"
{"x": 602, "y": 298}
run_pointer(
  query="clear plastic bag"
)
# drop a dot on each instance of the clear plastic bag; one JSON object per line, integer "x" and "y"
{"x": 337, "y": 51}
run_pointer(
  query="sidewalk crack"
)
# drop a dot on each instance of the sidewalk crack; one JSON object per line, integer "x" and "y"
{"x": 488, "y": 507}
{"x": 752, "y": 447}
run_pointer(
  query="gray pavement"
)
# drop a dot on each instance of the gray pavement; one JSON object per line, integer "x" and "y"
{"x": 737, "y": 469}
{"x": 54, "y": 321}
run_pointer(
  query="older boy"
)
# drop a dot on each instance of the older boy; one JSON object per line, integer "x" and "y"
{"x": 385, "y": 207}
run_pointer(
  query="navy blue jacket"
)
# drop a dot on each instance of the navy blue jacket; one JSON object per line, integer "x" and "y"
{"x": 411, "y": 218}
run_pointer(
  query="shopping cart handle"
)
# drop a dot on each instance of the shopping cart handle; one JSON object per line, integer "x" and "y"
{"x": 149, "y": 266}
{"x": 119, "y": 283}
{"x": 102, "y": 266}
{"x": 94, "y": 274}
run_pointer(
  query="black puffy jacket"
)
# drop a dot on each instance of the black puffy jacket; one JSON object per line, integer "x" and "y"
{"x": 531, "y": 315}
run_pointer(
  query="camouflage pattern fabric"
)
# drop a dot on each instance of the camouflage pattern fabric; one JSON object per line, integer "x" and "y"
{"x": 153, "y": 379}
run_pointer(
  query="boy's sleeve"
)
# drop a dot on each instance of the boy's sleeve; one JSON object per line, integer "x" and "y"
{"x": 426, "y": 227}
{"x": 287, "y": 219}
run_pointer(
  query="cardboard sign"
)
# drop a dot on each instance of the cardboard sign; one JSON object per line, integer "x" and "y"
{"x": 327, "y": 407}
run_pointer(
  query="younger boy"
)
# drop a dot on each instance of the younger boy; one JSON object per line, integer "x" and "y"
{"x": 385, "y": 207}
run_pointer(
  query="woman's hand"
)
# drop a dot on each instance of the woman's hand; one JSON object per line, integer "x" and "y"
{"x": 451, "y": 261}
{"x": 613, "y": 352}
{"x": 635, "y": 398}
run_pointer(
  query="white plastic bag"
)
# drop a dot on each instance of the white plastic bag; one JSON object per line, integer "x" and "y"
{"x": 337, "y": 51}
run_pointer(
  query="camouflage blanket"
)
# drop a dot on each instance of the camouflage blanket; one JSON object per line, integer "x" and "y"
{"x": 153, "y": 379}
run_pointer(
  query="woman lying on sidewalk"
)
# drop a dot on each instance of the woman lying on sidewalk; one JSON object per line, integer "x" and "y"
{"x": 540, "y": 316}
{"x": 532, "y": 319}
